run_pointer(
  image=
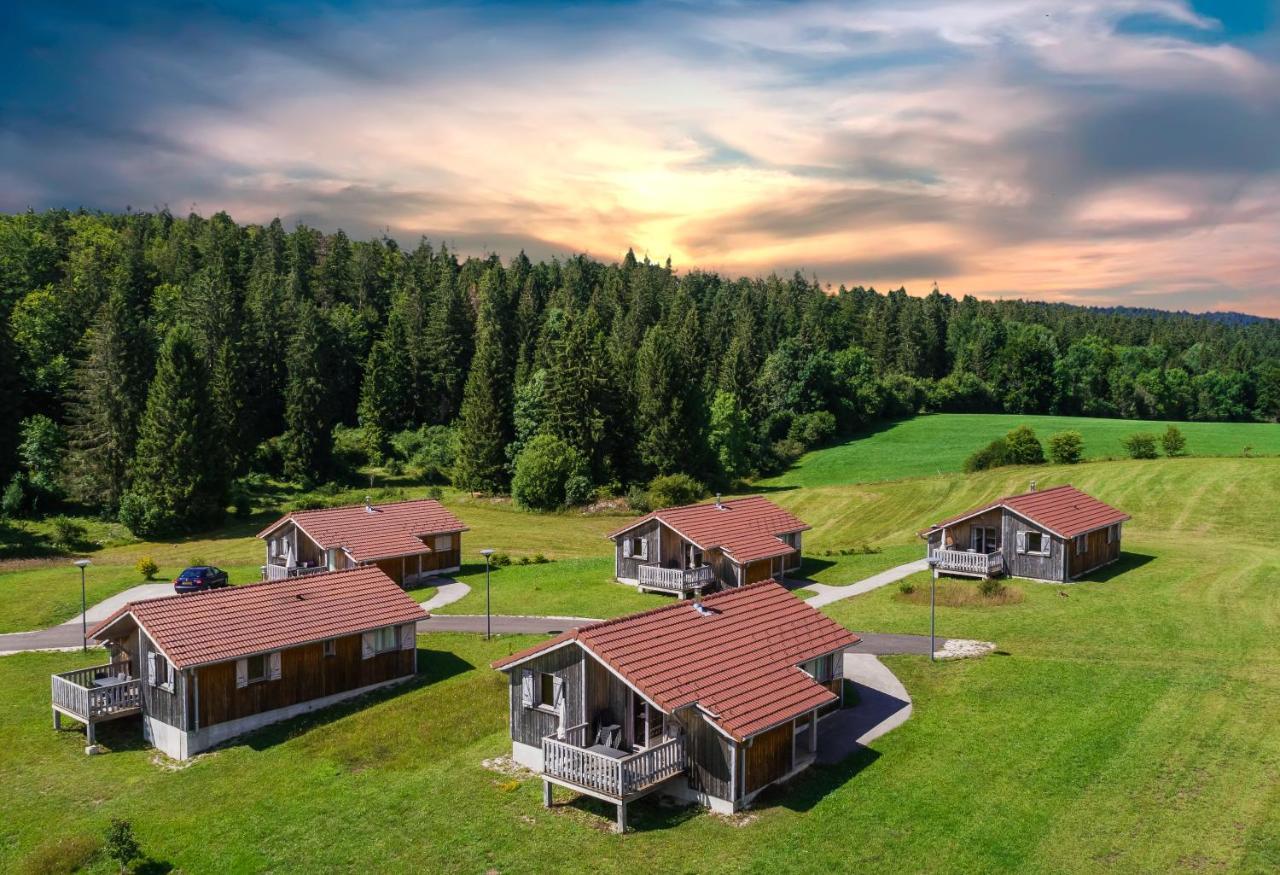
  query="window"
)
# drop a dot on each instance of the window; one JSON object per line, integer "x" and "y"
{"x": 443, "y": 543}
{"x": 1113, "y": 533}
{"x": 385, "y": 639}
{"x": 160, "y": 672}
{"x": 1033, "y": 542}
{"x": 331, "y": 647}
{"x": 694, "y": 559}
{"x": 256, "y": 668}
{"x": 636, "y": 548}
{"x": 1082, "y": 544}
{"x": 547, "y": 690}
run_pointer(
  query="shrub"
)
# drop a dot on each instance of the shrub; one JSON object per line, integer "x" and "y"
{"x": 143, "y": 517}
{"x": 435, "y": 492}
{"x": 1173, "y": 442}
{"x": 638, "y": 499}
{"x": 543, "y": 471}
{"x": 523, "y": 560}
{"x": 783, "y": 453}
{"x": 671, "y": 490}
{"x": 578, "y": 490}
{"x": 14, "y": 497}
{"x": 67, "y": 533}
{"x": 1140, "y": 445}
{"x": 812, "y": 429}
{"x": 960, "y": 392}
{"x": 1023, "y": 447}
{"x": 63, "y": 854}
{"x": 121, "y": 845}
{"x": 147, "y": 568}
{"x": 500, "y": 559}
{"x": 196, "y": 561}
{"x": 990, "y": 587}
{"x": 906, "y": 587}
{"x": 539, "y": 559}
{"x": 1066, "y": 447}
{"x": 993, "y": 455}
{"x": 241, "y": 502}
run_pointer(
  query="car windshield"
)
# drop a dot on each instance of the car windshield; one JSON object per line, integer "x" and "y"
{"x": 192, "y": 574}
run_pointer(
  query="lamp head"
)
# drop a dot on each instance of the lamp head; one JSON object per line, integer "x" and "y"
{"x": 82, "y": 563}
{"x": 486, "y": 552}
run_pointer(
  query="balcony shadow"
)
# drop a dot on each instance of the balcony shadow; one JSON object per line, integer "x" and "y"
{"x": 1126, "y": 563}
{"x": 650, "y": 813}
{"x": 117, "y": 736}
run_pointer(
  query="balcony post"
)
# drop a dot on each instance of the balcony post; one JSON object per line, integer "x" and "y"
{"x": 546, "y": 794}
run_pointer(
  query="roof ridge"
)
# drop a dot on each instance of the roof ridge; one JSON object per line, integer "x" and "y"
{"x": 711, "y": 503}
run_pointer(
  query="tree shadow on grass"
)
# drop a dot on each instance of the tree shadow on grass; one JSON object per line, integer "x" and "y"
{"x": 1126, "y": 563}
{"x": 149, "y": 866}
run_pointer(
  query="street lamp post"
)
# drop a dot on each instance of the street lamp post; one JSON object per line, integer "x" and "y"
{"x": 82, "y": 564}
{"x": 933, "y": 589}
{"x": 486, "y": 553}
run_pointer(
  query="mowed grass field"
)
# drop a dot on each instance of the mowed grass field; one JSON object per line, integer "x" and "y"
{"x": 939, "y": 444}
{"x": 1124, "y": 725}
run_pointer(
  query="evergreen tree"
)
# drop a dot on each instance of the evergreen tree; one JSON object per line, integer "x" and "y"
{"x": 386, "y": 395}
{"x": 307, "y": 443}
{"x": 484, "y": 423}
{"x": 110, "y": 395}
{"x": 578, "y": 386}
{"x": 729, "y": 436}
{"x": 665, "y": 418}
{"x": 179, "y": 479}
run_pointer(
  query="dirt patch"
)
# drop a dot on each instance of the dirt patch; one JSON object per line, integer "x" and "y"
{"x": 960, "y": 594}
{"x": 961, "y": 648}
{"x": 505, "y": 765}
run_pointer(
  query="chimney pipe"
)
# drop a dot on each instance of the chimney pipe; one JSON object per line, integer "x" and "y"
{"x": 718, "y": 504}
{"x": 1033, "y": 486}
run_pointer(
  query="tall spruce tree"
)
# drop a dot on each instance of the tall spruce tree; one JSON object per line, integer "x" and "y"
{"x": 307, "y": 443}
{"x": 484, "y": 423}
{"x": 179, "y": 477}
{"x": 110, "y": 393}
{"x": 578, "y": 403}
{"x": 666, "y": 418}
{"x": 386, "y": 395}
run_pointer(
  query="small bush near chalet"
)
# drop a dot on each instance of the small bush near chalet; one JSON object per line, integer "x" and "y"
{"x": 671, "y": 490}
{"x": 1173, "y": 442}
{"x": 1066, "y": 448}
{"x": 67, "y": 533}
{"x": 812, "y": 429}
{"x": 578, "y": 491}
{"x": 1023, "y": 447}
{"x": 1140, "y": 445}
{"x": 63, "y": 854}
{"x": 990, "y": 587}
{"x": 121, "y": 845}
{"x": 543, "y": 471}
{"x": 147, "y": 568}
{"x": 993, "y": 455}
{"x": 906, "y": 587}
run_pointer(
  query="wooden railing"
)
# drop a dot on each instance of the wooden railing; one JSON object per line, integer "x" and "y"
{"x": 615, "y": 778}
{"x": 676, "y": 579}
{"x": 964, "y": 562}
{"x": 78, "y": 694}
{"x": 276, "y": 571}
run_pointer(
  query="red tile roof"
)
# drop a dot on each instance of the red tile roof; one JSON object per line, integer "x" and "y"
{"x": 745, "y": 528}
{"x": 739, "y": 663}
{"x": 1063, "y": 510}
{"x": 207, "y": 627}
{"x": 389, "y": 530}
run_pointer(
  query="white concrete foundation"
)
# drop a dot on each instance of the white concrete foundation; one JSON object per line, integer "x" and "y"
{"x": 527, "y": 755}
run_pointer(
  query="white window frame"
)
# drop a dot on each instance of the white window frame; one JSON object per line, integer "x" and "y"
{"x": 266, "y": 669}
{"x": 1024, "y": 546}
{"x": 442, "y": 543}
{"x": 629, "y": 545}
{"x": 330, "y": 647}
{"x": 385, "y": 639}
{"x": 1082, "y": 544}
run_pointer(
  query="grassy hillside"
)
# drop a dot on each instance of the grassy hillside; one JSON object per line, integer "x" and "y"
{"x": 940, "y": 443}
{"x": 1122, "y": 727}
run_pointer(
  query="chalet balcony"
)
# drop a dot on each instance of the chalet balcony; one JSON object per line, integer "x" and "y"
{"x": 609, "y": 773}
{"x": 967, "y": 562}
{"x": 101, "y": 692}
{"x": 278, "y": 569}
{"x": 681, "y": 581}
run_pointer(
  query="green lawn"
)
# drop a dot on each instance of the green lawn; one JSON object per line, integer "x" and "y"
{"x": 1125, "y": 726}
{"x": 940, "y": 443}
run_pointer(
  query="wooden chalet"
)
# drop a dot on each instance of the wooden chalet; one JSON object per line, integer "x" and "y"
{"x": 1057, "y": 534}
{"x": 206, "y": 667}
{"x": 408, "y": 540}
{"x": 699, "y": 547}
{"x": 709, "y": 701}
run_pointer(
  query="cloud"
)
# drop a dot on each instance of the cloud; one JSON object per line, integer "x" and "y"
{"x": 1103, "y": 150}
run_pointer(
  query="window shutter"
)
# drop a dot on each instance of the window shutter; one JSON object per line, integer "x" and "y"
{"x": 168, "y": 672}
{"x": 242, "y": 672}
{"x": 273, "y": 665}
{"x": 366, "y": 645}
{"x": 151, "y": 669}
{"x": 526, "y": 688}
{"x": 559, "y": 703}
{"x": 1046, "y": 544}
{"x": 1022, "y": 541}
{"x": 626, "y": 548}
{"x": 408, "y": 637}
{"x": 644, "y": 548}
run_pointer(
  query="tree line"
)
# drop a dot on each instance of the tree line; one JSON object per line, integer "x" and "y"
{"x": 148, "y": 361}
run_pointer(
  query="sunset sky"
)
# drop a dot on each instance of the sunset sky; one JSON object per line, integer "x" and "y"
{"x": 1099, "y": 151}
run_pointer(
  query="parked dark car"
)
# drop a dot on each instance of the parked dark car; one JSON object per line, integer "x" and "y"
{"x": 199, "y": 578}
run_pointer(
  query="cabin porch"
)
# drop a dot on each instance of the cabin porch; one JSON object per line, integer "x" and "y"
{"x": 681, "y": 581}
{"x": 967, "y": 563}
{"x": 96, "y": 694}
{"x": 598, "y": 766}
